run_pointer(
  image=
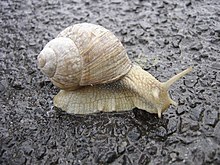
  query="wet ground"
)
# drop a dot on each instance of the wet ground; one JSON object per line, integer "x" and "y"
{"x": 163, "y": 36}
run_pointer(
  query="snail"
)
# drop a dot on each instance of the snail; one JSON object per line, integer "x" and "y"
{"x": 91, "y": 67}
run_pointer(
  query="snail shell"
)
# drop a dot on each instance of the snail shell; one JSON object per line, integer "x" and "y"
{"x": 84, "y": 54}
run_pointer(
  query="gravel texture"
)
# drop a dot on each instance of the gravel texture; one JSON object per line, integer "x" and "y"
{"x": 163, "y": 36}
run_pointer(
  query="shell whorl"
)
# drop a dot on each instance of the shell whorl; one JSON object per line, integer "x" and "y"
{"x": 61, "y": 62}
{"x": 84, "y": 54}
{"x": 47, "y": 62}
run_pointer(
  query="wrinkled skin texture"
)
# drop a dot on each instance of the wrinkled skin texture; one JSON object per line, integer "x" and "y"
{"x": 162, "y": 36}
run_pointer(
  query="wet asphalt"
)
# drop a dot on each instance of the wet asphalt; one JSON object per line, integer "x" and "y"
{"x": 163, "y": 36}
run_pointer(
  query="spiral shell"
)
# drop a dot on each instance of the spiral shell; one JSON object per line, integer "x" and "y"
{"x": 84, "y": 54}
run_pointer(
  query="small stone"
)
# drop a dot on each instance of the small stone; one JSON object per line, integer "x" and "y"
{"x": 32, "y": 43}
{"x": 173, "y": 156}
{"x": 210, "y": 117}
{"x": 203, "y": 27}
{"x": 143, "y": 41}
{"x": 195, "y": 115}
{"x": 188, "y": 3}
{"x": 180, "y": 111}
{"x": 194, "y": 126}
{"x": 196, "y": 46}
{"x": 27, "y": 149}
{"x": 190, "y": 83}
{"x": 130, "y": 149}
{"x": 176, "y": 41}
{"x": 126, "y": 160}
{"x": 161, "y": 132}
{"x": 215, "y": 65}
{"x": 192, "y": 104}
{"x": 134, "y": 134}
{"x": 171, "y": 126}
{"x": 116, "y": 1}
{"x": 204, "y": 55}
{"x": 144, "y": 159}
{"x": 152, "y": 150}
{"x": 201, "y": 94}
{"x": 40, "y": 153}
{"x": 121, "y": 147}
{"x": 83, "y": 153}
{"x": 163, "y": 20}
{"x": 18, "y": 85}
{"x": 198, "y": 156}
{"x": 18, "y": 159}
{"x": 217, "y": 132}
{"x": 217, "y": 29}
{"x": 145, "y": 25}
{"x": 22, "y": 47}
{"x": 211, "y": 155}
{"x": 108, "y": 157}
{"x": 2, "y": 88}
{"x": 164, "y": 152}
{"x": 166, "y": 42}
{"x": 185, "y": 125}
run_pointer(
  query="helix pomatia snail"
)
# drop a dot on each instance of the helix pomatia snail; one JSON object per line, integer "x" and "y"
{"x": 90, "y": 66}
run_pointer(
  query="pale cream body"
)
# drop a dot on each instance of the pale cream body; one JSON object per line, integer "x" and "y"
{"x": 137, "y": 89}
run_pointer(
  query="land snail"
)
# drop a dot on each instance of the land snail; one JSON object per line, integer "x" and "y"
{"x": 91, "y": 67}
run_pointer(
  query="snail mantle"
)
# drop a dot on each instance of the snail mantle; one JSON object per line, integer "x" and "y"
{"x": 91, "y": 67}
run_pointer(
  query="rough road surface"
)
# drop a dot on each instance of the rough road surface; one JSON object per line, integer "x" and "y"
{"x": 163, "y": 36}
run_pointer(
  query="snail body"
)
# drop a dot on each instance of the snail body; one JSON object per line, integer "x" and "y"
{"x": 90, "y": 66}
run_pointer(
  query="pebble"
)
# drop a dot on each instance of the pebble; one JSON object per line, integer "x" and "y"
{"x": 176, "y": 41}
{"x": 198, "y": 156}
{"x": 217, "y": 132}
{"x": 2, "y": 88}
{"x": 210, "y": 117}
{"x": 18, "y": 85}
{"x": 180, "y": 111}
{"x": 130, "y": 149}
{"x": 216, "y": 65}
{"x": 152, "y": 150}
{"x": 161, "y": 132}
{"x": 190, "y": 82}
{"x": 145, "y": 25}
{"x": 144, "y": 159}
{"x": 108, "y": 157}
{"x": 171, "y": 126}
{"x": 121, "y": 147}
{"x": 196, "y": 46}
{"x": 134, "y": 134}
{"x": 40, "y": 153}
{"x": 126, "y": 160}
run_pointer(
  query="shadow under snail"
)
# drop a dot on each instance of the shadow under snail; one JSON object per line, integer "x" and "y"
{"x": 91, "y": 67}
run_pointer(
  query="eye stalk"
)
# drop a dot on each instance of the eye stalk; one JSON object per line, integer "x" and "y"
{"x": 173, "y": 79}
{"x": 167, "y": 101}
